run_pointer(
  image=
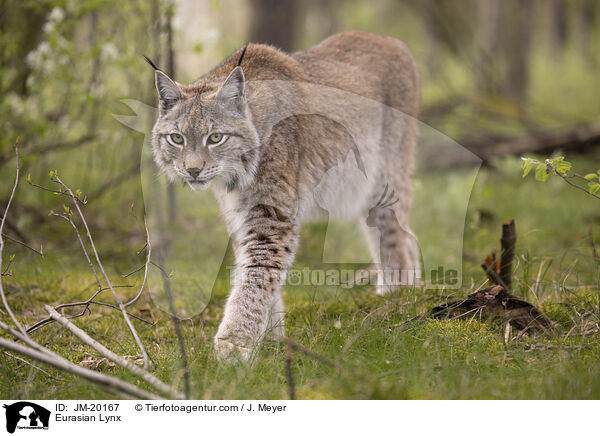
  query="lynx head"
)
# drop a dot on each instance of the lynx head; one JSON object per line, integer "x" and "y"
{"x": 205, "y": 133}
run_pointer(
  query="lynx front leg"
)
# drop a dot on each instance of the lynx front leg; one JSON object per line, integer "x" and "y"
{"x": 266, "y": 251}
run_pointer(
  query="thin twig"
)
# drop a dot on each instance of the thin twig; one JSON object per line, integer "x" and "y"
{"x": 117, "y": 299}
{"x": 146, "y": 265}
{"x": 16, "y": 241}
{"x": 46, "y": 321}
{"x": 55, "y": 191}
{"x": 575, "y": 185}
{"x": 34, "y": 366}
{"x": 87, "y": 257}
{"x": 296, "y": 346}
{"x": 133, "y": 368}
{"x": 289, "y": 372}
{"x": 10, "y": 199}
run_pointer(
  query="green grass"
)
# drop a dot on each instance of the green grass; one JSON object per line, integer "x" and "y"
{"x": 384, "y": 347}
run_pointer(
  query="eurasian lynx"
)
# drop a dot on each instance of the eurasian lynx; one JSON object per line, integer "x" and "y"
{"x": 264, "y": 129}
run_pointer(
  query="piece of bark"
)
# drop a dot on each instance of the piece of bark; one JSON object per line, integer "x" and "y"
{"x": 495, "y": 302}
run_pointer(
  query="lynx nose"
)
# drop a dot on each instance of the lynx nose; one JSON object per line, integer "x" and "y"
{"x": 194, "y": 172}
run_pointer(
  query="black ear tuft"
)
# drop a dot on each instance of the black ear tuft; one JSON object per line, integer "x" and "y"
{"x": 150, "y": 62}
{"x": 241, "y": 56}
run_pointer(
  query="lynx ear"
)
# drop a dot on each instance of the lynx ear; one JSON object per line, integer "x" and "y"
{"x": 168, "y": 91}
{"x": 232, "y": 91}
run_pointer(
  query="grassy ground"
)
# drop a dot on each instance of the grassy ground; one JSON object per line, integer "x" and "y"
{"x": 384, "y": 347}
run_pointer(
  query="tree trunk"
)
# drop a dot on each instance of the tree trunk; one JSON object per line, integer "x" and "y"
{"x": 557, "y": 28}
{"x": 274, "y": 22}
{"x": 518, "y": 22}
{"x": 488, "y": 15}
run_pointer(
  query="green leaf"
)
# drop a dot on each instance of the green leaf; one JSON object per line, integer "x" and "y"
{"x": 562, "y": 167}
{"x": 591, "y": 176}
{"x": 594, "y": 187}
{"x": 542, "y": 172}
{"x": 527, "y": 165}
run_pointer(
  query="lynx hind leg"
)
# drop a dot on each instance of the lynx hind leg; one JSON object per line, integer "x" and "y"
{"x": 400, "y": 243}
{"x": 394, "y": 251}
{"x": 276, "y": 324}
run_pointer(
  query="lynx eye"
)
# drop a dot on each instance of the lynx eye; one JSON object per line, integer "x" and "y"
{"x": 216, "y": 139}
{"x": 176, "y": 139}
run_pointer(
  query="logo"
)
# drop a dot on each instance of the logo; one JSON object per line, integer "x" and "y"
{"x": 26, "y": 415}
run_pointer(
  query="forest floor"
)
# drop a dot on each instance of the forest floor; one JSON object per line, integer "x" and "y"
{"x": 382, "y": 347}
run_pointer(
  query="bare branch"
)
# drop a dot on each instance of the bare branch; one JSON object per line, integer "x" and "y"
{"x": 33, "y": 366}
{"x": 10, "y": 199}
{"x": 87, "y": 257}
{"x": 47, "y": 148}
{"x": 575, "y": 185}
{"x": 104, "y": 381}
{"x": 133, "y": 368}
{"x": 16, "y": 241}
{"x": 117, "y": 299}
{"x": 146, "y": 265}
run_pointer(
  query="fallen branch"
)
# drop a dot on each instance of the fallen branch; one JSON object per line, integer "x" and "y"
{"x": 579, "y": 138}
{"x": 104, "y": 381}
{"x": 496, "y": 302}
{"x": 131, "y": 367}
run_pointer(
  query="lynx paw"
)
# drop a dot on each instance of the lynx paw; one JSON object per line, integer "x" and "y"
{"x": 228, "y": 352}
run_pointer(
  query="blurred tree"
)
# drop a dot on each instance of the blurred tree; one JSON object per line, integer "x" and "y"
{"x": 274, "y": 22}
{"x": 516, "y": 31}
{"x": 503, "y": 45}
{"x": 63, "y": 68}
{"x": 16, "y": 44}
{"x": 488, "y": 21}
{"x": 557, "y": 11}
{"x": 587, "y": 14}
